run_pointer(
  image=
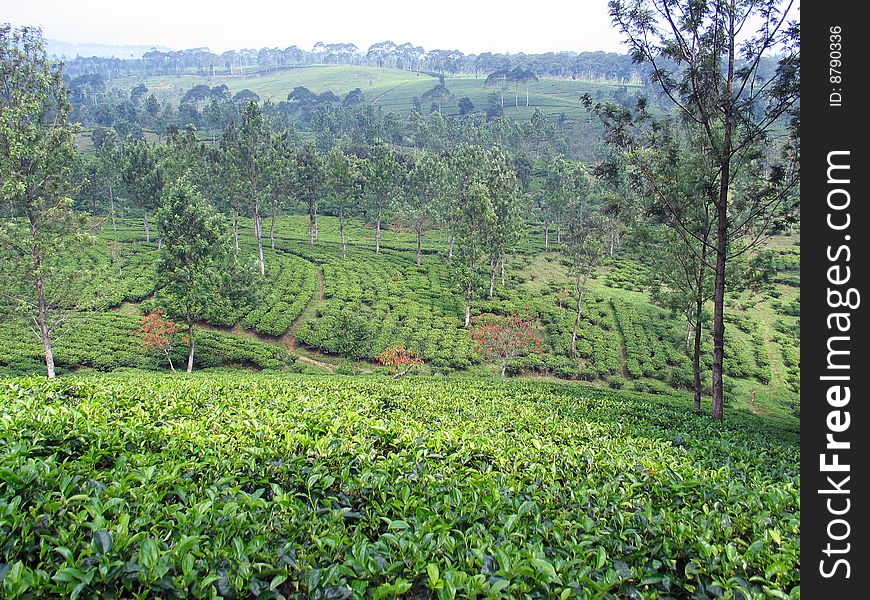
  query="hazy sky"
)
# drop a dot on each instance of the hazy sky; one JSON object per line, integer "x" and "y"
{"x": 468, "y": 26}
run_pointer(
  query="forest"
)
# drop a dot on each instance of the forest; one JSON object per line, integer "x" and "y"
{"x": 404, "y": 324}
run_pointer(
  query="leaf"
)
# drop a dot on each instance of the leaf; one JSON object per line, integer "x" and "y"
{"x": 544, "y": 567}
{"x": 434, "y": 574}
{"x": 149, "y": 554}
{"x": 600, "y": 557}
{"x": 102, "y": 541}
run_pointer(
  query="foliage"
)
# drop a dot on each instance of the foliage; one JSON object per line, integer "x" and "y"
{"x": 399, "y": 360}
{"x": 232, "y": 485}
{"x": 159, "y": 334}
{"x": 501, "y": 338}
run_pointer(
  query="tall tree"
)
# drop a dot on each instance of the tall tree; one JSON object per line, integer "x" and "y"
{"x": 252, "y": 155}
{"x": 279, "y": 177}
{"x": 198, "y": 273}
{"x": 109, "y": 159}
{"x": 308, "y": 184}
{"x": 142, "y": 178}
{"x": 709, "y": 62}
{"x": 384, "y": 176}
{"x": 585, "y": 243}
{"x": 428, "y": 185}
{"x": 36, "y": 154}
{"x": 344, "y": 182}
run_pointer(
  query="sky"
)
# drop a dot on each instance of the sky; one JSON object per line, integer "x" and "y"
{"x": 468, "y": 26}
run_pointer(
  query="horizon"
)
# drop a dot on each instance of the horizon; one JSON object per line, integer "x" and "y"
{"x": 556, "y": 26}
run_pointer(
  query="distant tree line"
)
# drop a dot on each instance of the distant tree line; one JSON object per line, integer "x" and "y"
{"x": 589, "y": 66}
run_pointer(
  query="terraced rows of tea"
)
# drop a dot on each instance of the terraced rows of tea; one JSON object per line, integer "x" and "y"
{"x": 623, "y": 341}
{"x": 285, "y": 486}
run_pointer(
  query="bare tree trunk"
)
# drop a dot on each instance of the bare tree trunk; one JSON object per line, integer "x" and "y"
{"x": 192, "y": 346}
{"x": 502, "y": 270}
{"x": 547, "y": 235}
{"x": 42, "y": 318}
{"x": 558, "y": 230}
{"x": 272, "y": 224}
{"x": 581, "y": 289}
{"x": 112, "y": 206}
{"x": 316, "y": 225}
{"x": 236, "y": 228}
{"x": 147, "y": 230}
{"x": 419, "y": 241}
{"x": 341, "y": 231}
{"x": 491, "y": 277}
{"x": 468, "y": 289}
{"x": 696, "y": 356}
{"x": 258, "y": 232}
{"x": 169, "y": 358}
{"x": 451, "y": 240}
{"x": 378, "y": 233}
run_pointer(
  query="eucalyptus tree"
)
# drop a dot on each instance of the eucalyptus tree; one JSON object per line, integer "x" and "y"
{"x": 708, "y": 60}
{"x": 505, "y": 229}
{"x": 344, "y": 180}
{"x": 428, "y": 187}
{"x": 585, "y": 246}
{"x": 279, "y": 176}
{"x": 251, "y": 153}
{"x": 109, "y": 153}
{"x": 308, "y": 184}
{"x": 384, "y": 177}
{"x": 36, "y": 158}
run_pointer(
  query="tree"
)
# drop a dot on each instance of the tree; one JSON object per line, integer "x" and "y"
{"x": 384, "y": 175}
{"x": 36, "y": 157}
{"x": 469, "y": 167}
{"x": 109, "y": 156}
{"x": 399, "y": 360}
{"x": 198, "y": 274}
{"x": 505, "y": 228}
{"x": 251, "y": 153}
{"x": 279, "y": 176}
{"x": 502, "y": 338}
{"x": 711, "y": 67}
{"x": 142, "y": 178}
{"x": 308, "y": 184}
{"x": 585, "y": 243}
{"x": 344, "y": 181}
{"x": 428, "y": 184}
{"x": 159, "y": 334}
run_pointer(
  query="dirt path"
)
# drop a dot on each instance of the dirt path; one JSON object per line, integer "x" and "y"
{"x": 623, "y": 355}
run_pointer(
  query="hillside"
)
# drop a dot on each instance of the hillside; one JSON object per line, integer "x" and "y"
{"x": 391, "y": 89}
{"x": 625, "y": 342}
{"x": 325, "y": 487}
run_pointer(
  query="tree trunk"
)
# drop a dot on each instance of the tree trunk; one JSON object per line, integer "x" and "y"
{"x": 147, "y": 230}
{"x": 316, "y": 225}
{"x": 272, "y": 225}
{"x": 419, "y": 241}
{"x": 581, "y": 288}
{"x": 502, "y": 270}
{"x": 378, "y": 234}
{"x": 112, "y": 206}
{"x": 192, "y": 346}
{"x": 491, "y": 277}
{"x": 236, "y": 228}
{"x": 258, "y": 232}
{"x": 558, "y": 230}
{"x": 341, "y": 231}
{"x": 696, "y": 356}
{"x": 169, "y": 358}
{"x": 468, "y": 289}
{"x": 503, "y": 369}
{"x": 722, "y": 236}
{"x": 42, "y": 319}
{"x": 451, "y": 240}
{"x": 547, "y": 235}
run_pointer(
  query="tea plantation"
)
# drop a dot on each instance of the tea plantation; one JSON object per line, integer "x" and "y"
{"x": 140, "y": 485}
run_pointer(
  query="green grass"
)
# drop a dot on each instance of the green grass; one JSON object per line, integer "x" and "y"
{"x": 141, "y": 485}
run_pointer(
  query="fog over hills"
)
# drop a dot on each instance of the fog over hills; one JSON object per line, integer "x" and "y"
{"x": 70, "y": 50}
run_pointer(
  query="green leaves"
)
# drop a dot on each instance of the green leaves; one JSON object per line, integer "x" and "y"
{"x": 306, "y": 486}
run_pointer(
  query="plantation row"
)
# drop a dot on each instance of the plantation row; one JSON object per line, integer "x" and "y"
{"x": 273, "y": 487}
{"x": 103, "y": 341}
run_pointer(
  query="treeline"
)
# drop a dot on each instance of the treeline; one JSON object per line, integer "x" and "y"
{"x": 590, "y": 66}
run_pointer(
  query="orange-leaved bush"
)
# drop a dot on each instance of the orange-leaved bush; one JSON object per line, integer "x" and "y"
{"x": 159, "y": 334}
{"x": 502, "y": 337}
{"x": 399, "y": 360}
